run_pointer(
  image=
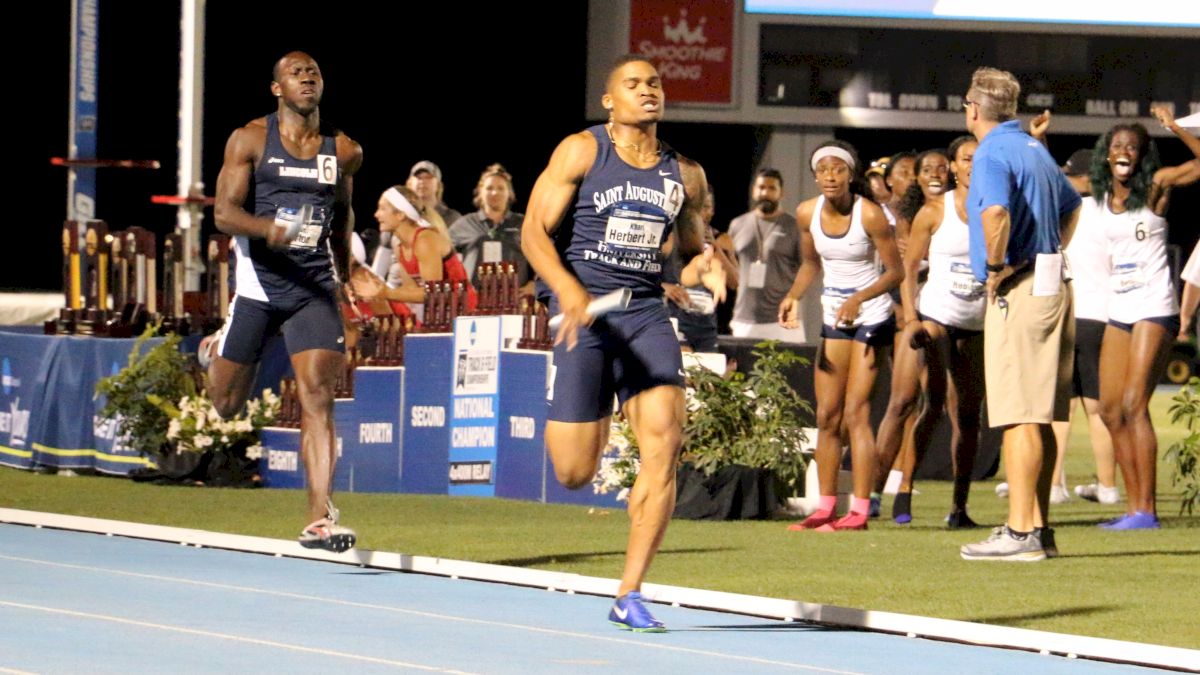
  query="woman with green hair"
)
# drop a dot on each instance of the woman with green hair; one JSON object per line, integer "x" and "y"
{"x": 1130, "y": 192}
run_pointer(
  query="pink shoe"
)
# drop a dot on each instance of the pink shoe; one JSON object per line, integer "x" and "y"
{"x": 814, "y": 521}
{"x": 851, "y": 521}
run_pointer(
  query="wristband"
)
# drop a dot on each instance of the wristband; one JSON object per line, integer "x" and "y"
{"x": 998, "y": 267}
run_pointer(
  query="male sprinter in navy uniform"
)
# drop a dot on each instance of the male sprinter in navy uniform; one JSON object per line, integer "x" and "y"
{"x": 287, "y": 275}
{"x": 627, "y": 190}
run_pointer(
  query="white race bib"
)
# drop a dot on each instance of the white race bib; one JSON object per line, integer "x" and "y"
{"x": 633, "y": 232}
{"x": 963, "y": 283}
{"x": 1127, "y": 276}
{"x": 327, "y": 169}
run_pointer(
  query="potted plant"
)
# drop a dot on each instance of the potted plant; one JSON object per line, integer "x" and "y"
{"x": 160, "y": 371}
{"x": 742, "y": 438}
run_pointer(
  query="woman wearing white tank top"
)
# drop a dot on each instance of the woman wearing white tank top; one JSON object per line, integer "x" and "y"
{"x": 840, "y": 232}
{"x": 942, "y": 340}
{"x": 1133, "y": 191}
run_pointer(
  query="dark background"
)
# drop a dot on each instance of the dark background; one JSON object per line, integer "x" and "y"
{"x": 458, "y": 84}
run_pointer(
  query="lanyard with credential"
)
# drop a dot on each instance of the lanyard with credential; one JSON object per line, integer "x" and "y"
{"x": 762, "y": 238}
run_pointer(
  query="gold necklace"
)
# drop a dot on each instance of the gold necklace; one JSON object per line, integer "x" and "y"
{"x": 633, "y": 146}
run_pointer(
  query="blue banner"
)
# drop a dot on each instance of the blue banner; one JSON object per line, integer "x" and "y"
{"x": 428, "y": 378}
{"x": 281, "y": 466}
{"x": 379, "y": 396}
{"x": 21, "y": 380}
{"x": 85, "y": 80}
{"x": 345, "y": 440}
{"x": 49, "y": 406}
{"x": 521, "y": 462}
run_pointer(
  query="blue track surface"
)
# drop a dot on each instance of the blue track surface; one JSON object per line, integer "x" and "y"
{"x": 80, "y": 602}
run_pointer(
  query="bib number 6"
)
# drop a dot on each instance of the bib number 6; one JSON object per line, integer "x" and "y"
{"x": 327, "y": 169}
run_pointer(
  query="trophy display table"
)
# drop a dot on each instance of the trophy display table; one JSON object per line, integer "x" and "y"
{"x": 464, "y": 416}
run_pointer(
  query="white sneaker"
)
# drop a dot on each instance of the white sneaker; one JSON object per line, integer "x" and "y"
{"x": 1004, "y": 545}
{"x": 1059, "y": 494}
{"x": 1002, "y": 490}
{"x": 1095, "y": 492}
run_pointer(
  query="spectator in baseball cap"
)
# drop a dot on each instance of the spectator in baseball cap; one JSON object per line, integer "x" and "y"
{"x": 425, "y": 179}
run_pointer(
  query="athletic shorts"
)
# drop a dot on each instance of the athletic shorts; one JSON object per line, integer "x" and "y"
{"x": 699, "y": 330}
{"x": 1089, "y": 334}
{"x": 312, "y": 323}
{"x": 1171, "y": 323}
{"x": 621, "y": 354}
{"x": 877, "y": 334}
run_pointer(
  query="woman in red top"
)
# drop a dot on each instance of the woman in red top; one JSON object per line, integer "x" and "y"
{"x": 422, "y": 247}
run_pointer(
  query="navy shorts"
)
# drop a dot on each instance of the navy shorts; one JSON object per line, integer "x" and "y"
{"x": 621, "y": 354}
{"x": 1171, "y": 323}
{"x": 699, "y": 330}
{"x": 312, "y": 323}
{"x": 877, "y": 334}
{"x": 1089, "y": 334}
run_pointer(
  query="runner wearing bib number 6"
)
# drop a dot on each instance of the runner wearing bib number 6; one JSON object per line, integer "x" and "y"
{"x": 1131, "y": 191}
{"x": 293, "y": 252}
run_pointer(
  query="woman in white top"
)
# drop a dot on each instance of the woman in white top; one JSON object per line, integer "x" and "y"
{"x": 1143, "y": 314}
{"x": 943, "y": 338}
{"x": 840, "y": 233}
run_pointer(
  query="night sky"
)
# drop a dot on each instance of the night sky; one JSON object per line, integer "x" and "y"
{"x": 389, "y": 85}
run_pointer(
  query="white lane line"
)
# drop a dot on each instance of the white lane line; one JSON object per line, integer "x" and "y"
{"x": 227, "y": 636}
{"x": 432, "y": 615}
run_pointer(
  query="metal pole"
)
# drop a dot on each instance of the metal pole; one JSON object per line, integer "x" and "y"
{"x": 191, "y": 127}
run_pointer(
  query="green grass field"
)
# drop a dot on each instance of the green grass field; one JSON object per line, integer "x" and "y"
{"x": 1139, "y": 586}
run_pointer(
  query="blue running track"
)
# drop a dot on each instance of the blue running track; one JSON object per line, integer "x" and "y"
{"x": 79, "y": 602}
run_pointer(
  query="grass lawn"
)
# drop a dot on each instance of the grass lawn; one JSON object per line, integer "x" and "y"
{"x": 1138, "y": 586}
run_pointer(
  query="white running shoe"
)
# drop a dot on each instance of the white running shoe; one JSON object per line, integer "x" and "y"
{"x": 1059, "y": 494}
{"x": 1095, "y": 492}
{"x": 1002, "y": 490}
{"x": 325, "y": 533}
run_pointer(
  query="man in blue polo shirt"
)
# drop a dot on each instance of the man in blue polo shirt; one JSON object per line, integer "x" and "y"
{"x": 1021, "y": 213}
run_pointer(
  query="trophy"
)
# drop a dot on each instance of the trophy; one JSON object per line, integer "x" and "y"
{"x": 217, "y": 282}
{"x": 174, "y": 318}
{"x": 72, "y": 283}
{"x": 93, "y": 319}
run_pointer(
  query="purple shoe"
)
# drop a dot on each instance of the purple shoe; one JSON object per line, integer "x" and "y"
{"x": 1109, "y": 524}
{"x": 1140, "y": 520}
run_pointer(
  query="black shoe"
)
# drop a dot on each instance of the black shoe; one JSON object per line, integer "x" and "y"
{"x": 902, "y": 508}
{"x": 959, "y": 520}
{"x": 1048, "y": 545}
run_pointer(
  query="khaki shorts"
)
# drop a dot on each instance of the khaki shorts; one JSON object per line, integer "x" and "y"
{"x": 1028, "y": 355}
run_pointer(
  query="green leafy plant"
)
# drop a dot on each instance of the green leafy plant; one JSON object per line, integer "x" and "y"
{"x": 733, "y": 419}
{"x": 163, "y": 372}
{"x": 754, "y": 420}
{"x": 1184, "y": 455}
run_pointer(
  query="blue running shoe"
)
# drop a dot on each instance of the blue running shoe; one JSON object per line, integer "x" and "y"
{"x": 1109, "y": 524}
{"x": 1140, "y": 520}
{"x": 876, "y": 504}
{"x": 628, "y": 613}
